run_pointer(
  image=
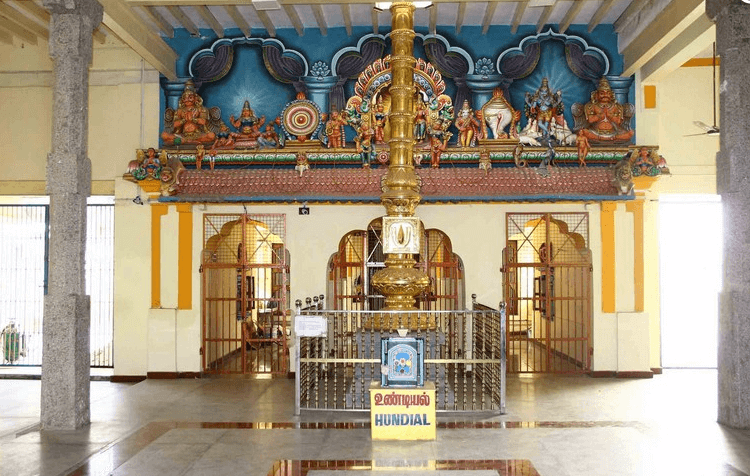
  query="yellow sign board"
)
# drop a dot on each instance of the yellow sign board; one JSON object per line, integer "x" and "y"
{"x": 402, "y": 413}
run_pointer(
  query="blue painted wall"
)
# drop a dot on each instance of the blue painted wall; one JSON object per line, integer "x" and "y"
{"x": 249, "y": 79}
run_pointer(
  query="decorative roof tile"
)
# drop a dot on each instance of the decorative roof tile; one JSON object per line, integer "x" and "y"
{"x": 359, "y": 184}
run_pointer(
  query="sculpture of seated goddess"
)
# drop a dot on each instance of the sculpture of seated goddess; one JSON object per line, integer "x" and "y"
{"x": 248, "y": 127}
{"x": 603, "y": 120}
{"x": 189, "y": 124}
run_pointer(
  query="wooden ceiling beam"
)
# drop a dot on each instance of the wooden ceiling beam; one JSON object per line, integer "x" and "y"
{"x": 433, "y": 19}
{"x": 546, "y": 13}
{"x": 346, "y": 13}
{"x": 39, "y": 12}
{"x": 6, "y": 37}
{"x": 130, "y": 28}
{"x": 570, "y": 16}
{"x": 630, "y": 11}
{"x": 489, "y": 13}
{"x": 18, "y": 31}
{"x": 460, "y": 17}
{"x": 600, "y": 13}
{"x": 291, "y": 12}
{"x": 673, "y": 20}
{"x": 267, "y": 23}
{"x": 186, "y": 22}
{"x": 238, "y": 19}
{"x": 24, "y": 22}
{"x": 163, "y": 25}
{"x": 518, "y": 16}
{"x": 209, "y": 18}
{"x": 691, "y": 42}
{"x": 321, "y": 19}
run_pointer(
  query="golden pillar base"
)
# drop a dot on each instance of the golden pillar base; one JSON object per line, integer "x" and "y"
{"x": 400, "y": 282}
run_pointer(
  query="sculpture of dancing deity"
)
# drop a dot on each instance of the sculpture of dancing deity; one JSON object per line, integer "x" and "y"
{"x": 438, "y": 141}
{"x": 603, "y": 120}
{"x": 364, "y": 141}
{"x": 189, "y": 125}
{"x": 544, "y": 112}
{"x": 467, "y": 125}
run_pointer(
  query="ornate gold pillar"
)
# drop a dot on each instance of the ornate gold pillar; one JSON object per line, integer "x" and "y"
{"x": 399, "y": 282}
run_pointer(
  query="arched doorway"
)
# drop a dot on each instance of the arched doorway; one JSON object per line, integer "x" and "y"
{"x": 548, "y": 293}
{"x": 360, "y": 256}
{"x": 245, "y": 294}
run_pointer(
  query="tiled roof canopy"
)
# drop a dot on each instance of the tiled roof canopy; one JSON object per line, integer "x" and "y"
{"x": 448, "y": 184}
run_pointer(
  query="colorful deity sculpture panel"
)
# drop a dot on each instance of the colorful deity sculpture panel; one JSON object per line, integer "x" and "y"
{"x": 544, "y": 112}
{"x": 603, "y": 120}
{"x": 192, "y": 122}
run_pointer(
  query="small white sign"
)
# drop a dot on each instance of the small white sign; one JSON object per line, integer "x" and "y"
{"x": 311, "y": 326}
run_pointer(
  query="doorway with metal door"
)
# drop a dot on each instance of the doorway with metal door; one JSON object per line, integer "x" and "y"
{"x": 244, "y": 270}
{"x": 547, "y": 286}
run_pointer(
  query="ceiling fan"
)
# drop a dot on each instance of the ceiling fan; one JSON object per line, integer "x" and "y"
{"x": 712, "y": 130}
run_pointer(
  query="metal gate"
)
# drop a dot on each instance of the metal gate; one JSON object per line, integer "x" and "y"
{"x": 360, "y": 256}
{"x": 548, "y": 293}
{"x": 245, "y": 294}
{"x": 24, "y": 242}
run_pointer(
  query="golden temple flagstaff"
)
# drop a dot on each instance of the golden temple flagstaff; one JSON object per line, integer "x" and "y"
{"x": 399, "y": 281}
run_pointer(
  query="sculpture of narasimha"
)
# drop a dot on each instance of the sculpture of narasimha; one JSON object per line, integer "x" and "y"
{"x": 190, "y": 123}
{"x": 603, "y": 120}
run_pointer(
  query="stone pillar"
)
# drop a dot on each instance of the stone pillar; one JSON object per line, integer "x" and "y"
{"x": 65, "y": 402}
{"x": 732, "y": 18}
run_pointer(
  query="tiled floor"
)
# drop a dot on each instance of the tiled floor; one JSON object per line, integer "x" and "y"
{"x": 236, "y": 426}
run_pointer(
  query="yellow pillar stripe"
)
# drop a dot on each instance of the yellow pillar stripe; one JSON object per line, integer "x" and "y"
{"x": 185, "y": 257}
{"x": 636, "y": 208}
{"x": 608, "y": 256}
{"x": 649, "y": 96}
{"x": 157, "y": 211}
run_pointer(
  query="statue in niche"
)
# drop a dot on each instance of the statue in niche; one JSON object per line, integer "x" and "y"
{"x": 467, "y": 125}
{"x": 583, "y": 146}
{"x": 379, "y": 119}
{"x": 544, "y": 112}
{"x": 439, "y": 137}
{"x": 334, "y": 130}
{"x": 603, "y": 120}
{"x": 420, "y": 121}
{"x": 498, "y": 114}
{"x": 191, "y": 123}
{"x": 269, "y": 138}
{"x": 364, "y": 140}
{"x": 248, "y": 127}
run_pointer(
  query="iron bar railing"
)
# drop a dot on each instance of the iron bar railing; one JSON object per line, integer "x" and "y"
{"x": 464, "y": 357}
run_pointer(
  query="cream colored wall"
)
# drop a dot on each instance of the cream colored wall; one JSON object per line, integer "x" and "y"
{"x": 681, "y": 98}
{"x": 123, "y": 114}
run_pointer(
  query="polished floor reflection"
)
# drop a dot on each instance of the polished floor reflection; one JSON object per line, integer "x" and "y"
{"x": 564, "y": 425}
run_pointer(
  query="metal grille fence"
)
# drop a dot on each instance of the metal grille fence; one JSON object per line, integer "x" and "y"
{"x": 244, "y": 268}
{"x": 548, "y": 292}
{"x": 24, "y": 242}
{"x": 464, "y": 356}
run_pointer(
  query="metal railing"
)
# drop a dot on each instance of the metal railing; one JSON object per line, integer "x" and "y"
{"x": 464, "y": 357}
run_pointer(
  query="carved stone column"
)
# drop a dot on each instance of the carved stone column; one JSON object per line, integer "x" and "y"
{"x": 400, "y": 281}
{"x": 732, "y": 18}
{"x": 65, "y": 402}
